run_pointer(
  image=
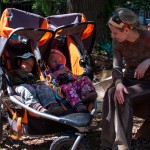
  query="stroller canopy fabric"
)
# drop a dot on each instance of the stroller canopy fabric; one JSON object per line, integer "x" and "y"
{"x": 79, "y": 33}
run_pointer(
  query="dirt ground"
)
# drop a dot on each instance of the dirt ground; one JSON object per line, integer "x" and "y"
{"x": 92, "y": 137}
{"x": 44, "y": 142}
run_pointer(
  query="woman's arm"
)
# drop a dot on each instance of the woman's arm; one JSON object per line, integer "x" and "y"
{"x": 145, "y": 64}
{"x": 141, "y": 69}
{"x": 117, "y": 74}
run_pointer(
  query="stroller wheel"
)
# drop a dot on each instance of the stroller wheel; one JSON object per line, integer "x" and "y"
{"x": 66, "y": 142}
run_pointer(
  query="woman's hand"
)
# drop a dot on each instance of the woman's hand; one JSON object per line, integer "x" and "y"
{"x": 142, "y": 67}
{"x": 118, "y": 96}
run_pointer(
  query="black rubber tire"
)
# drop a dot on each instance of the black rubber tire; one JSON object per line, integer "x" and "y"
{"x": 66, "y": 142}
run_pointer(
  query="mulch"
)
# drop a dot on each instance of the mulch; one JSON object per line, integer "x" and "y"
{"x": 92, "y": 136}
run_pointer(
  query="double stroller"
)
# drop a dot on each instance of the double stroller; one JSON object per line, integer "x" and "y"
{"x": 22, "y": 32}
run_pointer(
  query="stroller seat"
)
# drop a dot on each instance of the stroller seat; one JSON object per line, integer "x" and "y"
{"x": 77, "y": 119}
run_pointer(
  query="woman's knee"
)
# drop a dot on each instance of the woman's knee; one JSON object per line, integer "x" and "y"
{"x": 109, "y": 95}
{"x": 111, "y": 91}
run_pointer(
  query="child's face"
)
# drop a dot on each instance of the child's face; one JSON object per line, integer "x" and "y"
{"x": 54, "y": 60}
{"x": 27, "y": 64}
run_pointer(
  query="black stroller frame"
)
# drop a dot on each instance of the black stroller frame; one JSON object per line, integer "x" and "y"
{"x": 76, "y": 122}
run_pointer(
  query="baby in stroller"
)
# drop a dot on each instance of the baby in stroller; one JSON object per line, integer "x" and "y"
{"x": 27, "y": 84}
{"x": 78, "y": 91}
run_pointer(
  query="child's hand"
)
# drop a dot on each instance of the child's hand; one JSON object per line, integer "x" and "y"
{"x": 63, "y": 70}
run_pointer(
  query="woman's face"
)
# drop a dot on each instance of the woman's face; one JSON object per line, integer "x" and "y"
{"x": 120, "y": 36}
{"x": 54, "y": 60}
{"x": 27, "y": 64}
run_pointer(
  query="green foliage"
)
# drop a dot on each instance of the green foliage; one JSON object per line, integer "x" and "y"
{"x": 104, "y": 49}
{"x": 5, "y": 1}
{"x": 50, "y": 7}
{"x": 133, "y": 4}
{"x": 37, "y": 4}
{"x": 138, "y": 4}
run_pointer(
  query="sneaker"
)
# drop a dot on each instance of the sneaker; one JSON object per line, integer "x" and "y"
{"x": 81, "y": 108}
{"x": 37, "y": 106}
{"x": 88, "y": 97}
{"x": 55, "y": 109}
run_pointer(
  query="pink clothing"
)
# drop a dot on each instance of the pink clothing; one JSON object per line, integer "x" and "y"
{"x": 74, "y": 91}
{"x": 72, "y": 88}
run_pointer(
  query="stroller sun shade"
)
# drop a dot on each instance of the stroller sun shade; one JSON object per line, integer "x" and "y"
{"x": 56, "y": 21}
{"x": 14, "y": 18}
{"x": 79, "y": 34}
{"x": 80, "y": 41}
{"x": 21, "y": 36}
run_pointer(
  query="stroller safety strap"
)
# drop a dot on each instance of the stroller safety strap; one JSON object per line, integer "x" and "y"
{"x": 16, "y": 122}
{"x": 19, "y": 129}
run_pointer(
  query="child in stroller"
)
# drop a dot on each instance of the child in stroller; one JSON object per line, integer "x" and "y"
{"x": 30, "y": 88}
{"x": 34, "y": 38}
{"x": 77, "y": 91}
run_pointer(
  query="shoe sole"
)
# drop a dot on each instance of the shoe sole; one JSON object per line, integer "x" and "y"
{"x": 57, "y": 111}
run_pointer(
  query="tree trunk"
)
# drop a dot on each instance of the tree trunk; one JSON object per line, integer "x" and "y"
{"x": 94, "y": 10}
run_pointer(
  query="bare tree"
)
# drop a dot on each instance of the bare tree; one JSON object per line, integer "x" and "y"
{"x": 94, "y": 10}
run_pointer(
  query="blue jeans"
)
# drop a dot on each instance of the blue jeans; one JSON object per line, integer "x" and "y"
{"x": 36, "y": 93}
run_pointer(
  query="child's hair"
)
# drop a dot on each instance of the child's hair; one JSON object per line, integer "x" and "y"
{"x": 123, "y": 17}
{"x": 57, "y": 52}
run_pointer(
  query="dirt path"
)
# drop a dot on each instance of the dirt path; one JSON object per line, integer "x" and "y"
{"x": 44, "y": 142}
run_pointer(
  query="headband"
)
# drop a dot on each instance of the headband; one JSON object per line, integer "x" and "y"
{"x": 117, "y": 22}
{"x": 121, "y": 25}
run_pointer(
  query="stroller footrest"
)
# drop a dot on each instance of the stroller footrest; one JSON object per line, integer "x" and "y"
{"x": 77, "y": 119}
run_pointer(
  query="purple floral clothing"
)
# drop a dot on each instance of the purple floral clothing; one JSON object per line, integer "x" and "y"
{"x": 80, "y": 87}
{"x": 74, "y": 88}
